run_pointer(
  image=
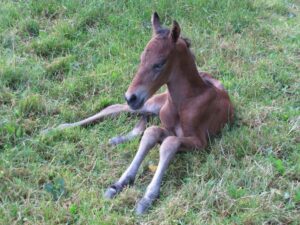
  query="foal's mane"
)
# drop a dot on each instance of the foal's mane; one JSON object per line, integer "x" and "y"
{"x": 164, "y": 33}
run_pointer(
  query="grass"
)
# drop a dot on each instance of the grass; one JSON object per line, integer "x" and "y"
{"x": 63, "y": 60}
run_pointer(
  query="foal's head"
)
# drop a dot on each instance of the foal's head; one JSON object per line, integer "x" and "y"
{"x": 157, "y": 61}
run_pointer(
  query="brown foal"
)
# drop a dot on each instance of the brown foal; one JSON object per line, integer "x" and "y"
{"x": 194, "y": 107}
{"x": 192, "y": 110}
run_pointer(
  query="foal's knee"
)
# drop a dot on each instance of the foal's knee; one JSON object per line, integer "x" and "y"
{"x": 152, "y": 132}
{"x": 150, "y": 137}
{"x": 169, "y": 146}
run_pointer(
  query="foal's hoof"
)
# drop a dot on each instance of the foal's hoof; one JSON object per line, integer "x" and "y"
{"x": 143, "y": 205}
{"x": 116, "y": 140}
{"x": 112, "y": 191}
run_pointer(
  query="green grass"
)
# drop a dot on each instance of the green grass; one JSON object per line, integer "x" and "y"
{"x": 63, "y": 60}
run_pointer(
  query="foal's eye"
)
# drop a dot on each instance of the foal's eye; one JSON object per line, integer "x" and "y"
{"x": 157, "y": 67}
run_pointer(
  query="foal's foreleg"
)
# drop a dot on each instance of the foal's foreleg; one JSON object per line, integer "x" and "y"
{"x": 151, "y": 136}
{"x": 167, "y": 151}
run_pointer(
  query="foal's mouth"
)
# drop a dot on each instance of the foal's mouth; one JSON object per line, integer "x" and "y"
{"x": 136, "y": 98}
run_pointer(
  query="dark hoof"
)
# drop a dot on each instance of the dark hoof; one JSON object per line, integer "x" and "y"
{"x": 143, "y": 205}
{"x": 116, "y": 140}
{"x": 112, "y": 191}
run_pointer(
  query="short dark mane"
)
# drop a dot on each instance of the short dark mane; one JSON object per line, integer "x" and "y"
{"x": 164, "y": 33}
{"x": 187, "y": 42}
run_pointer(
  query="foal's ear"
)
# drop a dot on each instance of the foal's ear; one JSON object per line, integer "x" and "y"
{"x": 155, "y": 22}
{"x": 175, "y": 31}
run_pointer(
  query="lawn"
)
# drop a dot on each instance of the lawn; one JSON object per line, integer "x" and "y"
{"x": 64, "y": 60}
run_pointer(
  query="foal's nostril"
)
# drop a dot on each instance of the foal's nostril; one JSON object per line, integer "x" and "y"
{"x": 131, "y": 99}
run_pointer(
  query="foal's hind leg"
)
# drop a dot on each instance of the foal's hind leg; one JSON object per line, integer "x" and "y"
{"x": 136, "y": 131}
{"x": 151, "y": 107}
{"x": 151, "y": 136}
{"x": 111, "y": 110}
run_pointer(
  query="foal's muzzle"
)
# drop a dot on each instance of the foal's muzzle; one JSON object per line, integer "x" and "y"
{"x": 134, "y": 101}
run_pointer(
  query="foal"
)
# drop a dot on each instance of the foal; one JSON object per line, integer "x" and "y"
{"x": 190, "y": 111}
{"x": 194, "y": 107}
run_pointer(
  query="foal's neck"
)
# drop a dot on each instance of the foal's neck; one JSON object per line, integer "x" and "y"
{"x": 184, "y": 81}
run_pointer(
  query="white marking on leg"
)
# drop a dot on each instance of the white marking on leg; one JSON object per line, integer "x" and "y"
{"x": 151, "y": 136}
{"x": 137, "y": 130}
{"x": 167, "y": 152}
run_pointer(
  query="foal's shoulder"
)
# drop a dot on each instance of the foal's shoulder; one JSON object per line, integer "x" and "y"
{"x": 201, "y": 100}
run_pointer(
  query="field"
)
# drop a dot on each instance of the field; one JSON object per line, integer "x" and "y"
{"x": 64, "y": 60}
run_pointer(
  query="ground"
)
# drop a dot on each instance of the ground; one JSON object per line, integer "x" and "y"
{"x": 64, "y": 60}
